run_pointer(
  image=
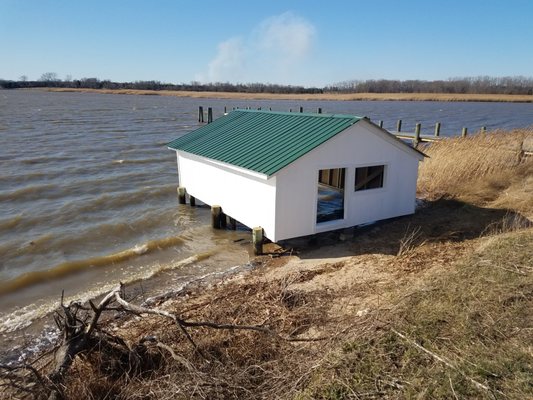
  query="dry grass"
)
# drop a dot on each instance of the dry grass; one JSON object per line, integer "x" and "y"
{"x": 476, "y": 321}
{"x": 484, "y": 169}
{"x": 321, "y": 96}
{"x": 456, "y": 278}
{"x": 233, "y": 363}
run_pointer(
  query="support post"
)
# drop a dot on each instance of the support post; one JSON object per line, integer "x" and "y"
{"x": 215, "y": 216}
{"x": 319, "y": 110}
{"x": 464, "y": 132}
{"x": 399, "y": 126}
{"x": 232, "y": 224}
{"x": 223, "y": 221}
{"x": 257, "y": 240}
{"x": 192, "y": 201}
{"x": 483, "y": 129}
{"x": 416, "y": 139}
{"x": 225, "y": 110}
{"x": 380, "y": 124}
{"x": 209, "y": 115}
{"x": 301, "y": 109}
{"x": 181, "y": 194}
{"x": 437, "y": 129}
{"x": 200, "y": 114}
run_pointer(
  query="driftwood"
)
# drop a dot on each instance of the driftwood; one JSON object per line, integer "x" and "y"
{"x": 81, "y": 335}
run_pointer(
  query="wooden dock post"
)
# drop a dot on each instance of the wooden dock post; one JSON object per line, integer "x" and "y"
{"x": 319, "y": 110}
{"x": 483, "y": 129}
{"x": 215, "y": 216}
{"x": 416, "y": 139}
{"x": 380, "y": 124}
{"x": 257, "y": 240}
{"x": 232, "y": 224}
{"x": 181, "y": 194}
{"x": 464, "y": 132}
{"x": 437, "y": 129}
{"x": 225, "y": 110}
{"x": 301, "y": 109}
{"x": 192, "y": 201}
{"x": 209, "y": 115}
{"x": 200, "y": 114}
{"x": 223, "y": 221}
{"x": 399, "y": 126}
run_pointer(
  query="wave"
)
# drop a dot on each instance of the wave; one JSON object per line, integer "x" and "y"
{"x": 24, "y": 316}
{"x": 139, "y": 161}
{"x": 71, "y": 267}
{"x": 10, "y": 223}
{"x": 31, "y": 192}
{"x": 45, "y": 159}
{"x": 121, "y": 199}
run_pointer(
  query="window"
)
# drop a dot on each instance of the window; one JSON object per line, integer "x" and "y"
{"x": 330, "y": 199}
{"x": 369, "y": 177}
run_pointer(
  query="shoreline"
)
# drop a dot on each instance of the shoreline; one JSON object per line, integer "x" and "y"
{"x": 444, "y": 97}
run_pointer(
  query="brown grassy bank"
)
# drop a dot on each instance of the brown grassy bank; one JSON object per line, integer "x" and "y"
{"x": 324, "y": 96}
{"x": 434, "y": 305}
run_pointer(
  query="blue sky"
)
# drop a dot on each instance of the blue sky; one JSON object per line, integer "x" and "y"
{"x": 310, "y": 43}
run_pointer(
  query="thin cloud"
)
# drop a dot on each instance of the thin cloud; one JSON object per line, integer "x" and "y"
{"x": 269, "y": 53}
{"x": 229, "y": 63}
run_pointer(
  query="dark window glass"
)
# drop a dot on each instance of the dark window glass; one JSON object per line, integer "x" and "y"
{"x": 369, "y": 177}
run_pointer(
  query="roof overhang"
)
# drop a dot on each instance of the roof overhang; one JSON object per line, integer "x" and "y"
{"x": 221, "y": 164}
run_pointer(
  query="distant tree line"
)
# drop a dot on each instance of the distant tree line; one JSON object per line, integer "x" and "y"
{"x": 50, "y": 80}
{"x": 481, "y": 84}
{"x": 477, "y": 85}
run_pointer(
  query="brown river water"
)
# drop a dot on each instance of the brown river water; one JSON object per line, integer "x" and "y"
{"x": 88, "y": 194}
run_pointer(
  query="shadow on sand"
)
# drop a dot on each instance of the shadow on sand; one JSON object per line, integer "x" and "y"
{"x": 439, "y": 221}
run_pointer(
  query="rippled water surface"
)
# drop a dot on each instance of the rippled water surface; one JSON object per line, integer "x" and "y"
{"x": 88, "y": 189}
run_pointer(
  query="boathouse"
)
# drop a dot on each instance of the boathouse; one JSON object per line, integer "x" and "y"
{"x": 297, "y": 174}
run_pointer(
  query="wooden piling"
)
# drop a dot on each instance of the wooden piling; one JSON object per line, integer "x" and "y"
{"x": 399, "y": 125}
{"x": 464, "y": 132}
{"x": 200, "y": 114}
{"x": 257, "y": 240}
{"x": 416, "y": 139}
{"x": 437, "y": 129}
{"x": 301, "y": 109}
{"x": 209, "y": 115}
{"x": 192, "y": 201}
{"x": 483, "y": 129}
{"x": 225, "y": 110}
{"x": 319, "y": 110}
{"x": 223, "y": 221}
{"x": 215, "y": 216}
{"x": 380, "y": 124}
{"x": 181, "y": 194}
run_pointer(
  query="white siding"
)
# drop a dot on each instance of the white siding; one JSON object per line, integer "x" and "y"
{"x": 285, "y": 204}
{"x": 250, "y": 199}
{"x": 357, "y": 146}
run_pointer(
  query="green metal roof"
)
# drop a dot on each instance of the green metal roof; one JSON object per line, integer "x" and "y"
{"x": 262, "y": 141}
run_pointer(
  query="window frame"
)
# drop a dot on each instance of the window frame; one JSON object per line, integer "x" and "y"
{"x": 381, "y": 174}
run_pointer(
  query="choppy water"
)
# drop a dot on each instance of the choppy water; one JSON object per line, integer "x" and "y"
{"x": 88, "y": 190}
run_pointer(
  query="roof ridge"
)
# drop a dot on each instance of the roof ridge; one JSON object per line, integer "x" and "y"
{"x": 304, "y": 114}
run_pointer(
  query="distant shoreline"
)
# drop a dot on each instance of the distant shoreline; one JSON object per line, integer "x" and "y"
{"x": 499, "y": 98}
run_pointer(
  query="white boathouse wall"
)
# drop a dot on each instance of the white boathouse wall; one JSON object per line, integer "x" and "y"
{"x": 246, "y": 196}
{"x": 285, "y": 205}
